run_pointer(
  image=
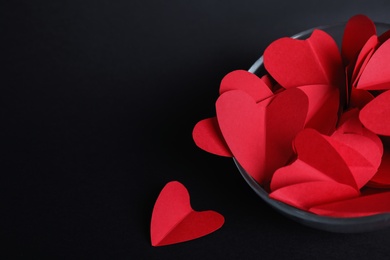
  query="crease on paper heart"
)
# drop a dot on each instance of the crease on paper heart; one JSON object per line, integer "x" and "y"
{"x": 319, "y": 61}
{"x": 180, "y": 222}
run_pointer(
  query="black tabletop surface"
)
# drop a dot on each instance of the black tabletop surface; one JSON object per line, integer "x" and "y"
{"x": 98, "y": 102}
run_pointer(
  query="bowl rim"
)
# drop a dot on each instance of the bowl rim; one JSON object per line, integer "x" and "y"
{"x": 256, "y": 65}
{"x": 333, "y": 224}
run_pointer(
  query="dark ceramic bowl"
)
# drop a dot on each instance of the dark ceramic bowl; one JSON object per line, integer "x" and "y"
{"x": 332, "y": 224}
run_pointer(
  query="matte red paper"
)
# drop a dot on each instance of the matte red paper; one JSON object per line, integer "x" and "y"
{"x": 206, "y": 133}
{"x": 363, "y": 58}
{"x": 375, "y": 115}
{"x": 310, "y": 167}
{"x": 360, "y": 153}
{"x": 376, "y": 74}
{"x": 356, "y": 207}
{"x": 356, "y": 33}
{"x": 294, "y": 63}
{"x": 358, "y": 44}
{"x": 349, "y": 123}
{"x": 359, "y": 98}
{"x": 268, "y": 81}
{"x": 382, "y": 178}
{"x": 347, "y": 160}
{"x": 208, "y": 136}
{"x": 245, "y": 81}
{"x": 308, "y": 194}
{"x": 323, "y": 108}
{"x": 174, "y": 221}
{"x": 259, "y": 134}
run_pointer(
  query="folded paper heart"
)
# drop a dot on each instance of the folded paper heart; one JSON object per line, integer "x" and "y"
{"x": 351, "y": 166}
{"x": 294, "y": 63}
{"x": 310, "y": 167}
{"x": 376, "y": 74}
{"x": 308, "y": 194}
{"x": 207, "y": 135}
{"x": 247, "y": 82}
{"x": 362, "y": 59}
{"x": 354, "y": 151}
{"x": 375, "y": 115}
{"x": 323, "y": 107}
{"x": 174, "y": 221}
{"x": 365, "y": 54}
{"x": 382, "y": 178}
{"x": 356, "y": 33}
{"x": 359, "y": 98}
{"x": 358, "y": 45}
{"x": 355, "y": 207}
{"x": 349, "y": 123}
{"x": 259, "y": 135}
{"x": 361, "y": 154}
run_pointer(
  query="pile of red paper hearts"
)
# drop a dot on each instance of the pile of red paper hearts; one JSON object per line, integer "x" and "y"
{"x": 313, "y": 130}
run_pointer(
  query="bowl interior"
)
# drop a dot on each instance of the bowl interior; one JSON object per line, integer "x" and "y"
{"x": 333, "y": 224}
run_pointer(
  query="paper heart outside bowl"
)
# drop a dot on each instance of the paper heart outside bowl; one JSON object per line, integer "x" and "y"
{"x": 332, "y": 224}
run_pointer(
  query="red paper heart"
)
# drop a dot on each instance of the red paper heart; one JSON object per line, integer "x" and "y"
{"x": 245, "y": 81}
{"x": 382, "y": 178}
{"x": 356, "y": 207}
{"x": 363, "y": 58}
{"x": 296, "y": 173}
{"x": 311, "y": 179}
{"x": 375, "y": 115}
{"x": 376, "y": 74}
{"x": 206, "y": 133}
{"x": 352, "y": 133}
{"x": 323, "y": 107}
{"x": 359, "y": 98}
{"x": 268, "y": 81}
{"x": 174, "y": 221}
{"x": 310, "y": 167}
{"x": 350, "y": 123}
{"x": 360, "y": 153}
{"x": 208, "y": 136}
{"x": 357, "y": 31}
{"x": 315, "y": 60}
{"x": 259, "y": 135}
{"x": 358, "y": 45}
{"x": 308, "y": 194}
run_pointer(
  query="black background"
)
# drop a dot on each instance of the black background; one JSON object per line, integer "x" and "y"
{"x": 98, "y": 102}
